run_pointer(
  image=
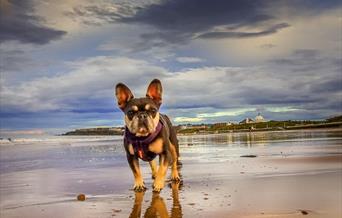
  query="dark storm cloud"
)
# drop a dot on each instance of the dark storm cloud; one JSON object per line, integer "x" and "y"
{"x": 179, "y": 21}
{"x": 334, "y": 85}
{"x": 201, "y": 15}
{"x": 17, "y": 22}
{"x": 221, "y": 35}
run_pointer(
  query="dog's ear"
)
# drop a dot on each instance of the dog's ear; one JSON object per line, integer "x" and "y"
{"x": 123, "y": 95}
{"x": 155, "y": 91}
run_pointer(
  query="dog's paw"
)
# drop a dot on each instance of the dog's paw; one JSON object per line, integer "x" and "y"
{"x": 139, "y": 187}
{"x": 158, "y": 185}
{"x": 175, "y": 176}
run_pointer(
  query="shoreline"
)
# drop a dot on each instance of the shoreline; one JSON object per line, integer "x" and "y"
{"x": 263, "y": 130}
{"x": 5, "y": 141}
{"x": 214, "y": 128}
{"x": 337, "y": 125}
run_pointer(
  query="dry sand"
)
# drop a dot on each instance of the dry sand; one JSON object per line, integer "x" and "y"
{"x": 293, "y": 177}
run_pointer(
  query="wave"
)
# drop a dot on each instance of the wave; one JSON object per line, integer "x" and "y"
{"x": 58, "y": 139}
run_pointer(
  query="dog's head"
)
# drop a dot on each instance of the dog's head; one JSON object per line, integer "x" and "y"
{"x": 141, "y": 114}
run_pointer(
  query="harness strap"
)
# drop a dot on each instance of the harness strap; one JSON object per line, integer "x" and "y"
{"x": 140, "y": 144}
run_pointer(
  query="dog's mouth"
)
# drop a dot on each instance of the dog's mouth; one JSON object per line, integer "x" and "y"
{"x": 142, "y": 131}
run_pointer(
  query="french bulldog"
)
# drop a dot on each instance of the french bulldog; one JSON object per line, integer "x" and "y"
{"x": 148, "y": 134}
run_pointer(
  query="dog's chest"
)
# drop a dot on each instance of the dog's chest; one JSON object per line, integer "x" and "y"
{"x": 156, "y": 146}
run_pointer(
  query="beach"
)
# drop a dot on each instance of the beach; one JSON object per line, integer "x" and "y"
{"x": 249, "y": 174}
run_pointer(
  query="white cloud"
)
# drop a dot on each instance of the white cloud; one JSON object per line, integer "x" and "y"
{"x": 282, "y": 109}
{"x": 189, "y": 60}
{"x": 200, "y": 117}
{"x": 188, "y": 119}
{"x": 88, "y": 80}
{"x": 191, "y": 95}
{"x": 234, "y": 112}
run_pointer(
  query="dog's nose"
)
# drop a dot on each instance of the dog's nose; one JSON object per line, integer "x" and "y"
{"x": 142, "y": 116}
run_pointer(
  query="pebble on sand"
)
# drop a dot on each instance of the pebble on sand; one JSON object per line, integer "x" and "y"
{"x": 81, "y": 197}
{"x": 304, "y": 212}
{"x": 117, "y": 210}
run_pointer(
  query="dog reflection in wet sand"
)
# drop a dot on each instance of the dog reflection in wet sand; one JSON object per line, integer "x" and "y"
{"x": 158, "y": 207}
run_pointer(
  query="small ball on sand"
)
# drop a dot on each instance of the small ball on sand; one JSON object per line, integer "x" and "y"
{"x": 81, "y": 197}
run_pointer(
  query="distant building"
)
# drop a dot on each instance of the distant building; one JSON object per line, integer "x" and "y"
{"x": 222, "y": 124}
{"x": 247, "y": 120}
{"x": 259, "y": 119}
{"x": 192, "y": 126}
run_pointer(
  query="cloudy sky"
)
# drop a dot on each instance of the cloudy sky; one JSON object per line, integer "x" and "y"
{"x": 218, "y": 60}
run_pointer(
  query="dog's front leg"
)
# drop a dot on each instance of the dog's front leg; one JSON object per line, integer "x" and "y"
{"x": 154, "y": 168}
{"x": 174, "y": 172}
{"x": 138, "y": 180}
{"x": 158, "y": 184}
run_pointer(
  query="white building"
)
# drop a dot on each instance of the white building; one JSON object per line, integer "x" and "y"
{"x": 259, "y": 119}
{"x": 246, "y": 121}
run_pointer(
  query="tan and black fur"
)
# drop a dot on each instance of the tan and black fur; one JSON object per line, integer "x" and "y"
{"x": 141, "y": 119}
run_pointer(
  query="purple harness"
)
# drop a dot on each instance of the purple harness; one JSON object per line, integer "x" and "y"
{"x": 140, "y": 144}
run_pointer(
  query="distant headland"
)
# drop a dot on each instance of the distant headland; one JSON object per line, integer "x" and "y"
{"x": 248, "y": 124}
{"x": 97, "y": 131}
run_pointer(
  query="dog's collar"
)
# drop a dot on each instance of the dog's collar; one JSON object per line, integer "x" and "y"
{"x": 140, "y": 144}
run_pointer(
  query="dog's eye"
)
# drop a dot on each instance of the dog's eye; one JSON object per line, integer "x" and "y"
{"x": 130, "y": 113}
{"x": 153, "y": 110}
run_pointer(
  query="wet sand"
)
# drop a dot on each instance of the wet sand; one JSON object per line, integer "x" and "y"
{"x": 294, "y": 174}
